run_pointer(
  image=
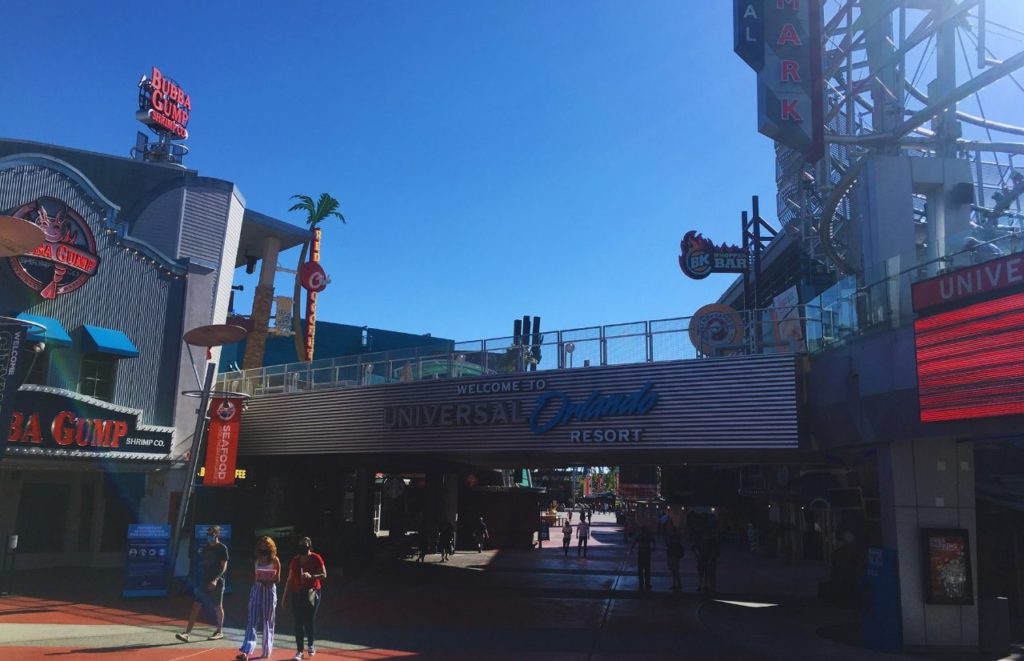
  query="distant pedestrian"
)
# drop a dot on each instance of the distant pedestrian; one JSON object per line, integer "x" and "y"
{"x": 306, "y": 571}
{"x": 582, "y": 537}
{"x": 674, "y": 555}
{"x": 447, "y": 540}
{"x": 208, "y": 584}
{"x": 644, "y": 545}
{"x": 424, "y": 543}
{"x": 480, "y": 534}
{"x": 566, "y": 536}
{"x": 707, "y": 549}
{"x": 262, "y": 601}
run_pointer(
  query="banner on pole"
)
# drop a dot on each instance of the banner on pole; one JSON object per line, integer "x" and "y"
{"x": 12, "y": 336}
{"x": 222, "y": 442}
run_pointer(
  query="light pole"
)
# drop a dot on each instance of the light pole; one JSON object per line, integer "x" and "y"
{"x": 214, "y": 335}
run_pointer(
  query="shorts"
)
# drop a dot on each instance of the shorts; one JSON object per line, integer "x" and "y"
{"x": 213, "y": 598}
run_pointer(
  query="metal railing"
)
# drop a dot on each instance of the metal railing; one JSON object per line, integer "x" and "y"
{"x": 849, "y": 309}
{"x": 617, "y": 344}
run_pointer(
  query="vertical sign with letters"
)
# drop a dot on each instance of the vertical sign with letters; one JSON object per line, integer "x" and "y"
{"x": 222, "y": 442}
{"x": 781, "y": 40}
{"x": 12, "y": 336}
{"x": 748, "y": 32}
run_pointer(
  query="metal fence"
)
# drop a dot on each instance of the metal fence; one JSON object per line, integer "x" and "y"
{"x": 578, "y": 348}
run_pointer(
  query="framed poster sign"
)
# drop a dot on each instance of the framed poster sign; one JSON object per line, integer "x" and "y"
{"x": 947, "y": 566}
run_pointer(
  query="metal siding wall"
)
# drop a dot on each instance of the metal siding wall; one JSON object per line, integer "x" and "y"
{"x": 126, "y": 293}
{"x": 203, "y": 224}
{"x": 154, "y": 224}
{"x": 744, "y": 402}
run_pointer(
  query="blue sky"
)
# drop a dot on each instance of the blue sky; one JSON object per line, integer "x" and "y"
{"x": 493, "y": 159}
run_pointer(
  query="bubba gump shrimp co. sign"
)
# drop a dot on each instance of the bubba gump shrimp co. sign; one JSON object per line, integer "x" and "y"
{"x": 66, "y": 258}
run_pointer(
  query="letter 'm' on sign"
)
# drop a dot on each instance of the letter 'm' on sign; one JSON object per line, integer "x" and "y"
{"x": 781, "y": 4}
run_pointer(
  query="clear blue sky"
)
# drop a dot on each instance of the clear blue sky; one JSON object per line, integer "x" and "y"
{"x": 493, "y": 159}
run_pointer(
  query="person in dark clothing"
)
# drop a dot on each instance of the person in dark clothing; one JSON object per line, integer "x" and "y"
{"x": 447, "y": 540}
{"x": 674, "y": 555}
{"x": 644, "y": 545}
{"x": 208, "y": 585}
{"x": 480, "y": 534}
{"x": 707, "y": 550}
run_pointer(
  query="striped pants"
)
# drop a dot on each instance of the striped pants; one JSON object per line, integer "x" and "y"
{"x": 262, "y": 611}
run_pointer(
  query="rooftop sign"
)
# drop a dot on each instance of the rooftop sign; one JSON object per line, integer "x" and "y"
{"x": 164, "y": 106}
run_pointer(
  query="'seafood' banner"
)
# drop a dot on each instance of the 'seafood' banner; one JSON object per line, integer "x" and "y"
{"x": 222, "y": 442}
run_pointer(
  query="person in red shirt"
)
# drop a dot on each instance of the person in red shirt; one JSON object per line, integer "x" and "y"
{"x": 305, "y": 573}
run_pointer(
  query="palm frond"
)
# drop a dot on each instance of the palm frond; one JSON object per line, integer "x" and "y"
{"x": 317, "y": 211}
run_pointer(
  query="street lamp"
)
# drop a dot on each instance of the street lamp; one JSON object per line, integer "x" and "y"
{"x": 569, "y": 348}
{"x": 214, "y": 335}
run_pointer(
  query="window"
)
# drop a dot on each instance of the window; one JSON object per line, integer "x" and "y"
{"x": 40, "y": 369}
{"x": 99, "y": 372}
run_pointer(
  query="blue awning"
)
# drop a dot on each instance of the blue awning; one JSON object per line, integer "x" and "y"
{"x": 108, "y": 340}
{"x": 55, "y": 334}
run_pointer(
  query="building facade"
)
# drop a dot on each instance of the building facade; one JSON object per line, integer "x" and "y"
{"x": 135, "y": 254}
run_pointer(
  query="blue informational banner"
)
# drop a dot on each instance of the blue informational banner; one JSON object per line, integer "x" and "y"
{"x": 148, "y": 560}
{"x": 200, "y": 540}
{"x": 545, "y": 532}
{"x": 882, "y": 621}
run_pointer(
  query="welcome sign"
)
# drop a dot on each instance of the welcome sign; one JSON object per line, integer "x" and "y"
{"x": 738, "y": 402}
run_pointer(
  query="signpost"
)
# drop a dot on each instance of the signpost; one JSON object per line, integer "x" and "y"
{"x": 148, "y": 557}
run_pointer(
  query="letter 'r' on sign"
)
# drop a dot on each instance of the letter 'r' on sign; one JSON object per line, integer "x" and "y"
{"x": 790, "y": 71}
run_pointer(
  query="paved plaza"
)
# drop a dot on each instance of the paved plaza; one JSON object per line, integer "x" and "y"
{"x": 493, "y": 605}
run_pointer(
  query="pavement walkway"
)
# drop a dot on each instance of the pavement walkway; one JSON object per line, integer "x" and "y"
{"x": 535, "y": 604}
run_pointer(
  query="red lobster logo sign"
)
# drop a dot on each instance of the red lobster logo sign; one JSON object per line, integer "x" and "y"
{"x": 66, "y": 258}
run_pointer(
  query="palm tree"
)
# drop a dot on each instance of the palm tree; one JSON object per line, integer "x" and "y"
{"x": 316, "y": 212}
{"x": 323, "y": 208}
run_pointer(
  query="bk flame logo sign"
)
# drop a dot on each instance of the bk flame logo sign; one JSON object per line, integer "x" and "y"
{"x": 66, "y": 258}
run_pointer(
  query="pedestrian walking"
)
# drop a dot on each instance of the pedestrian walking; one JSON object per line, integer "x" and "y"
{"x": 480, "y": 534}
{"x": 447, "y": 540}
{"x": 306, "y": 571}
{"x": 707, "y": 549}
{"x": 674, "y": 555}
{"x": 424, "y": 543}
{"x": 262, "y": 601}
{"x": 208, "y": 585}
{"x": 566, "y": 536}
{"x": 644, "y": 545}
{"x": 582, "y": 537}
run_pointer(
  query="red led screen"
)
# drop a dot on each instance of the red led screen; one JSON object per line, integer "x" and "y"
{"x": 970, "y": 361}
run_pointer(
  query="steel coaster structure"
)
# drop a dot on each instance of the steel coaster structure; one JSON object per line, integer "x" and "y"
{"x": 894, "y": 74}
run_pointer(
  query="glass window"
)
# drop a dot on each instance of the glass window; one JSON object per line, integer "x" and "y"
{"x": 40, "y": 370}
{"x": 98, "y": 375}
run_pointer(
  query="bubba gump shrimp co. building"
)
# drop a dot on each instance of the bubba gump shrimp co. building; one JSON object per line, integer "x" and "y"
{"x": 135, "y": 254}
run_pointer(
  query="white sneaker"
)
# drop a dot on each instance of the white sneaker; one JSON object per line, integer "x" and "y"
{"x": 310, "y": 652}
{"x": 297, "y": 657}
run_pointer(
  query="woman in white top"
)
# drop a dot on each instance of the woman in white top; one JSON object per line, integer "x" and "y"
{"x": 262, "y": 600}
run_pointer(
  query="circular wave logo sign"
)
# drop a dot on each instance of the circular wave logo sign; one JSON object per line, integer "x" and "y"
{"x": 226, "y": 411}
{"x": 66, "y": 258}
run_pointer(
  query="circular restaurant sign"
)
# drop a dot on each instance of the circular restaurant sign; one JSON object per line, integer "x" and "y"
{"x": 313, "y": 277}
{"x": 717, "y": 330}
{"x": 66, "y": 258}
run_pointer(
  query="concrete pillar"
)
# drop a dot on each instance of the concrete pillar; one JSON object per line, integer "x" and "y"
{"x": 256, "y": 341}
{"x": 928, "y": 484}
